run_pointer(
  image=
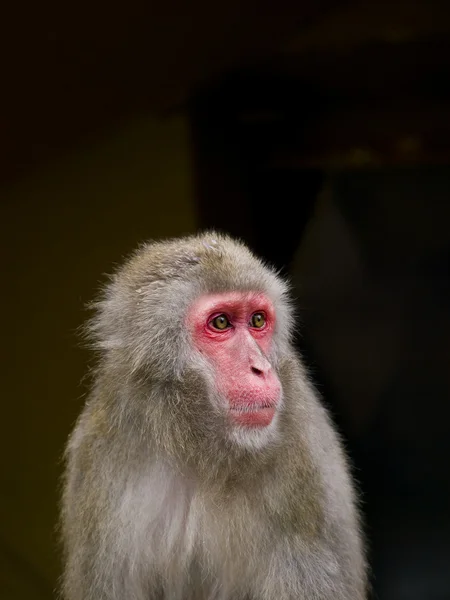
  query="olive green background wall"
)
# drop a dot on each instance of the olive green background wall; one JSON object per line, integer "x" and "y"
{"x": 61, "y": 229}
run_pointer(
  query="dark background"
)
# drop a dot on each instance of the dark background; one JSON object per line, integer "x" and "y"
{"x": 316, "y": 131}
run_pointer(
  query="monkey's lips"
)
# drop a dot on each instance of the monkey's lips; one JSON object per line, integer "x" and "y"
{"x": 253, "y": 415}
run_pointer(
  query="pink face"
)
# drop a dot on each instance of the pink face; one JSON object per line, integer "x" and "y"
{"x": 234, "y": 331}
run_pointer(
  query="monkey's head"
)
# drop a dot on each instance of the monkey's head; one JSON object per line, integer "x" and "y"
{"x": 202, "y": 318}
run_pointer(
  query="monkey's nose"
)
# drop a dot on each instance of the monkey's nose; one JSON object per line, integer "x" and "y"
{"x": 260, "y": 366}
{"x": 258, "y": 362}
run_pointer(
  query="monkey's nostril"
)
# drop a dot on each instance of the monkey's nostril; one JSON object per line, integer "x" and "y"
{"x": 256, "y": 371}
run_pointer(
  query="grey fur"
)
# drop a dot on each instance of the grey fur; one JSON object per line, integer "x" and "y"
{"x": 160, "y": 500}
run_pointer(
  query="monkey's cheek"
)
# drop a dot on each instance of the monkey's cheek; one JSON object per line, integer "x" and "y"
{"x": 257, "y": 417}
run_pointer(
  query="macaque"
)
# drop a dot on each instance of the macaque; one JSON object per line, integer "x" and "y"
{"x": 203, "y": 466}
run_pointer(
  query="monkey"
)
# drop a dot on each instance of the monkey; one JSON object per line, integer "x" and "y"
{"x": 203, "y": 465}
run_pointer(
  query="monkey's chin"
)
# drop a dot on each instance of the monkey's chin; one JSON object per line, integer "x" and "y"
{"x": 253, "y": 416}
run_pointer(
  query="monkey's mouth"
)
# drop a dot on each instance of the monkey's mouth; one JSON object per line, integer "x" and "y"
{"x": 253, "y": 415}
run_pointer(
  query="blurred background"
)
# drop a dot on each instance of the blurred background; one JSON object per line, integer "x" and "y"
{"x": 318, "y": 131}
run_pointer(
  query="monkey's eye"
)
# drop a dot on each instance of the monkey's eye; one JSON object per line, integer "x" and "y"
{"x": 220, "y": 322}
{"x": 258, "y": 320}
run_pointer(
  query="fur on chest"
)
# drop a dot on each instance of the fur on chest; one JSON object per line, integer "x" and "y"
{"x": 169, "y": 523}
